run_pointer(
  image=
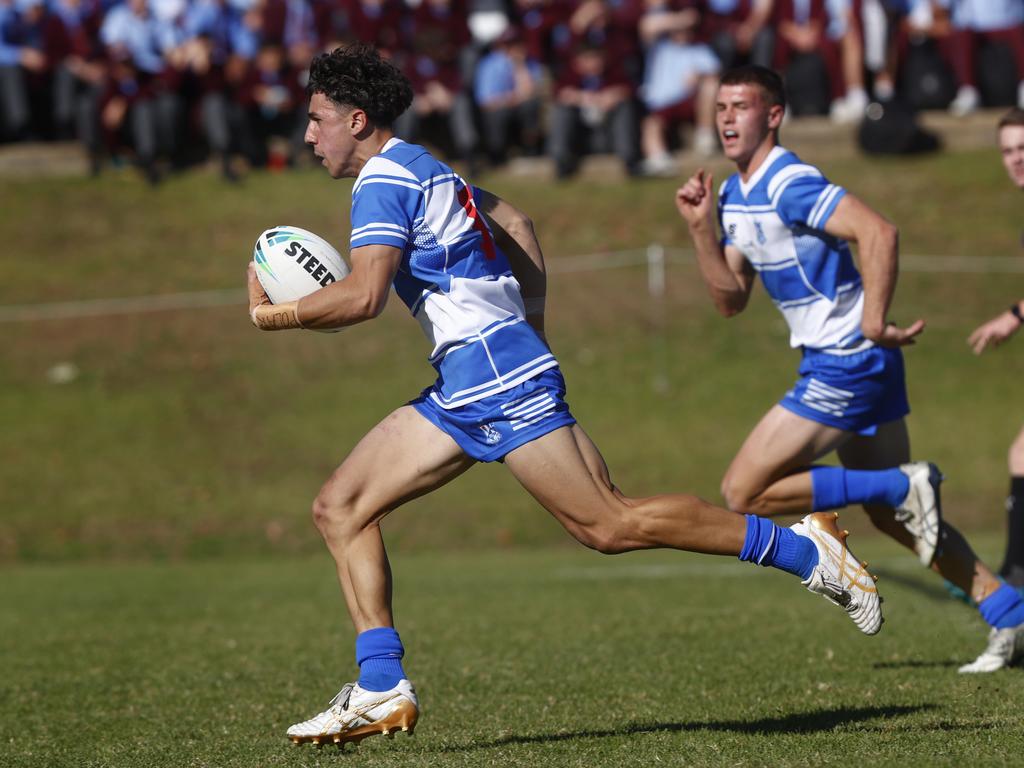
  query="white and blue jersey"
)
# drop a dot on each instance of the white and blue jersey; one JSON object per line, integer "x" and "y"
{"x": 776, "y": 219}
{"x": 453, "y": 278}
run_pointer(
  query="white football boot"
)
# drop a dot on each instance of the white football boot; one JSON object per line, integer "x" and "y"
{"x": 839, "y": 577}
{"x": 921, "y": 511}
{"x": 1005, "y": 648}
{"x": 356, "y": 713}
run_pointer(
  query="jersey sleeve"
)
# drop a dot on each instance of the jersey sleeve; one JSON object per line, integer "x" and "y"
{"x": 808, "y": 199}
{"x": 384, "y": 207}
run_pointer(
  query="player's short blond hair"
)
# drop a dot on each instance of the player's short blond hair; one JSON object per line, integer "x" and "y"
{"x": 1014, "y": 117}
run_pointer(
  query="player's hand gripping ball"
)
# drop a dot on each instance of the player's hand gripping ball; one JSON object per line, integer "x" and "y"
{"x": 292, "y": 263}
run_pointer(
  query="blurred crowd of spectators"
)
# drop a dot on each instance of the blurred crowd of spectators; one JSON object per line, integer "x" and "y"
{"x": 172, "y": 82}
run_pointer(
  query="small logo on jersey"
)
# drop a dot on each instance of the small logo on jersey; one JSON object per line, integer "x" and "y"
{"x": 761, "y": 239}
{"x": 491, "y": 435}
{"x": 732, "y": 230}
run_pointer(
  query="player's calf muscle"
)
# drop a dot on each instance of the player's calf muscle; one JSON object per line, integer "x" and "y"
{"x": 626, "y": 525}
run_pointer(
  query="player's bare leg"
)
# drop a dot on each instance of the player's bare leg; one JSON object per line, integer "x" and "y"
{"x": 769, "y": 474}
{"x": 403, "y": 457}
{"x": 772, "y": 475}
{"x": 955, "y": 561}
{"x": 564, "y": 471}
{"x": 400, "y": 459}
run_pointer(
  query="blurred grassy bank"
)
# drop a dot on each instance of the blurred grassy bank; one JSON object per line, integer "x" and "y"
{"x": 187, "y": 433}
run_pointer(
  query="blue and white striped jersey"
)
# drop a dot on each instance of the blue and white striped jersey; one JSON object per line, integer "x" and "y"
{"x": 777, "y": 220}
{"x": 453, "y": 278}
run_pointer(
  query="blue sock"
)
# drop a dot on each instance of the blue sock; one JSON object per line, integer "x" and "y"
{"x": 379, "y": 656}
{"x": 836, "y": 487}
{"x": 771, "y": 544}
{"x": 1003, "y": 608}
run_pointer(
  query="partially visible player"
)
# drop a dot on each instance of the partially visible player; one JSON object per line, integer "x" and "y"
{"x": 781, "y": 219}
{"x": 992, "y": 334}
{"x": 477, "y": 287}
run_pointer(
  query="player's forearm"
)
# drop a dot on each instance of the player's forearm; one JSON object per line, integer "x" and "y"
{"x": 514, "y": 234}
{"x": 518, "y": 240}
{"x": 521, "y": 247}
{"x": 729, "y": 296}
{"x": 343, "y": 303}
{"x": 879, "y": 263}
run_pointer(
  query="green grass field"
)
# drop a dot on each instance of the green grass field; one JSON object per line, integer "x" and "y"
{"x": 521, "y": 659}
{"x": 167, "y": 601}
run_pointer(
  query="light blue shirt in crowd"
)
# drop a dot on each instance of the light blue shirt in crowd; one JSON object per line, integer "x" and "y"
{"x": 986, "y": 15}
{"x": 145, "y": 38}
{"x": 496, "y": 77}
{"x": 670, "y": 70}
{"x": 10, "y": 53}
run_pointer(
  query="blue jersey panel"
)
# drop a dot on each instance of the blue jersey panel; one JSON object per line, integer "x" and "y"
{"x": 384, "y": 211}
{"x": 807, "y": 199}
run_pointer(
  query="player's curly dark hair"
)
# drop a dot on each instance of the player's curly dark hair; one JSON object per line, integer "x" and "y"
{"x": 357, "y": 76}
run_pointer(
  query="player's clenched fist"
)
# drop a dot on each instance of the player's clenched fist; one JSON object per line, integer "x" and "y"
{"x": 695, "y": 200}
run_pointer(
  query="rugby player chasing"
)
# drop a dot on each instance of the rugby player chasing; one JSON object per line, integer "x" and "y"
{"x": 781, "y": 219}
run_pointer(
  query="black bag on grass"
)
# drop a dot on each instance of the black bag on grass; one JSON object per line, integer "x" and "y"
{"x": 807, "y": 86}
{"x": 891, "y": 129}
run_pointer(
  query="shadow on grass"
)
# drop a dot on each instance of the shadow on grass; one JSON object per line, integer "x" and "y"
{"x": 916, "y": 664}
{"x": 806, "y": 722}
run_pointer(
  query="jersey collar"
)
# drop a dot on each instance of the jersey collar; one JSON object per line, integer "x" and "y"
{"x": 749, "y": 184}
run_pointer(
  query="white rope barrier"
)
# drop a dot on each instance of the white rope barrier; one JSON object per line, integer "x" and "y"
{"x": 654, "y": 257}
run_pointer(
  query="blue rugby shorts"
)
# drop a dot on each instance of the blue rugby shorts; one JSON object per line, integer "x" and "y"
{"x": 490, "y": 428}
{"x": 855, "y": 393}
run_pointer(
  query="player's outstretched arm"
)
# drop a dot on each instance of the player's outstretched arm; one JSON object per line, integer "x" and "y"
{"x": 878, "y": 253}
{"x": 514, "y": 233}
{"x": 360, "y": 296}
{"x": 997, "y": 330}
{"x": 727, "y": 274}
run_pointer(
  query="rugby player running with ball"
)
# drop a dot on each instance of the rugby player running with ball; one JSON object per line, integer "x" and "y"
{"x": 470, "y": 269}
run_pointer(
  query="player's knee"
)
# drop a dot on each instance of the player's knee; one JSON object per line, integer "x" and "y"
{"x": 738, "y": 498}
{"x": 322, "y": 514}
{"x": 603, "y": 538}
{"x": 333, "y": 513}
{"x": 604, "y": 533}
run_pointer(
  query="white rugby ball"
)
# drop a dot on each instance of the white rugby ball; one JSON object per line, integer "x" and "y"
{"x": 293, "y": 262}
